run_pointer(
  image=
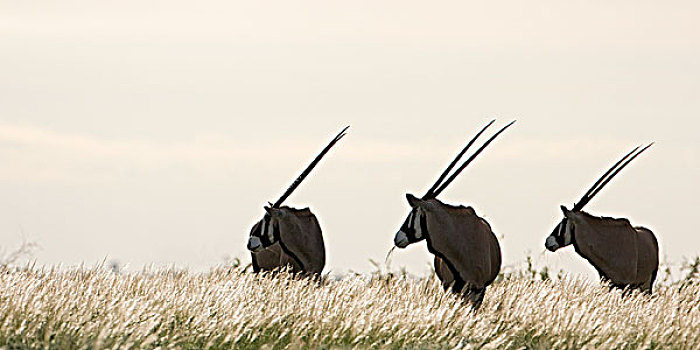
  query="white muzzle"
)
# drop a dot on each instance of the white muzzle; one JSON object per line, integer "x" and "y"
{"x": 254, "y": 244}
{"x": 551, "y": 243}
{"x": 401, "y": 240}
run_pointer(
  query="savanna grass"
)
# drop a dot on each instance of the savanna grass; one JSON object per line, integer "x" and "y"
{"x": 85, "y": 308}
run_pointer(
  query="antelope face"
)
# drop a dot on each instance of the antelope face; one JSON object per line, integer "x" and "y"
{"x": 562, "y": 235}
{"x": 415, "y": 228}
{"x": 266, "y": 232}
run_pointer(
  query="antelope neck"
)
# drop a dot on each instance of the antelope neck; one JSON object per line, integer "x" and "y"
{"x": 287, "y": 251}
{"x": 459, "y": 282}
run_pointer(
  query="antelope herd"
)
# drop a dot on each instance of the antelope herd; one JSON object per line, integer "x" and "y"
{"x": 467, "y": 252}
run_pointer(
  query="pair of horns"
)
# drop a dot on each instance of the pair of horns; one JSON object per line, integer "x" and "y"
{"x": 614, "y": 170}
{"x": 439, "y": 185}
{"x": 308, "y": 169}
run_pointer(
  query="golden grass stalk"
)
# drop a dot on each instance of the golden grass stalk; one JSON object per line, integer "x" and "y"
{"x": 82, "y": 308}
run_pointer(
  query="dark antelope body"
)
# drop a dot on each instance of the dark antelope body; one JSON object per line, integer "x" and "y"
{"x": 467, "y": 253}
{"x": 625, "y": 256}
{"x": 289, "y": 237}
{"x": 292, "y": 238}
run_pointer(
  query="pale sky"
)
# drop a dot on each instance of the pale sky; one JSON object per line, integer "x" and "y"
{"x": 154, "y": 131}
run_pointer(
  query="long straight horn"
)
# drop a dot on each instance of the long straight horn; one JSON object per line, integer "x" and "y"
{"x": 308, "y": 169}
{"x": 459, "y": 170}
{"x": 588, "y": 198}
{"x": 429, "y": 194}
{"x": 592, "y": 194}
{"x": 579, "y": 205}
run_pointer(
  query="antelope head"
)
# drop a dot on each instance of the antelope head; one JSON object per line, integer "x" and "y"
{"x": 415, "y": 227}
{"x": 266, "y": 232}
{"x": 563, "y": 233}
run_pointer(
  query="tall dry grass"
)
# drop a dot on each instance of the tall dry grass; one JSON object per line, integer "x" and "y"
{"x": 93, "y": 308}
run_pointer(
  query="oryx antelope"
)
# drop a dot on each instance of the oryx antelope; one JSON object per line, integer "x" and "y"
{"x": 287, "y": 236}
{"x": 625, "y": 256}
{"x": 467, "y": 253}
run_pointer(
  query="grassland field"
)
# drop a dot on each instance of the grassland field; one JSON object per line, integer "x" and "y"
{"x": 233, "y": 308}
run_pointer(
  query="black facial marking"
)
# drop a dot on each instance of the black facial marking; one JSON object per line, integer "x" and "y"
{"x": 264, "y": 238}
{"x": 407, "y": 227}
{"x": 560, "y": 235}
{"x": 410, "y": 226}
{"x": 423, "y": 226}
{"x": 257, "y": 230}
{"x": 276, "y": 232}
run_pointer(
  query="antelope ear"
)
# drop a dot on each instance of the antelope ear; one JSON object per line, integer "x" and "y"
{"x": 565, "y": 211}
{"x": 268, "y": 210}
{"x": 412, "y": 200}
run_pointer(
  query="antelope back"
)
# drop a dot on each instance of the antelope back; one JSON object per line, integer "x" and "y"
{"x": 459, "y": 237}
{"x": 301, "y": 239}
{"x": 609, "y": 244}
